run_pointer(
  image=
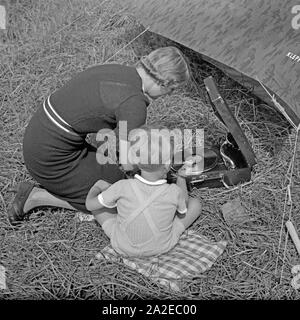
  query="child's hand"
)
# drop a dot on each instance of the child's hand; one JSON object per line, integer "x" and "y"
{"x": 191, "y": 166}
{"x": 184, "y": 170}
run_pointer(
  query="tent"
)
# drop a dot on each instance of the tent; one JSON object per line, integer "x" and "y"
{"x": 254, "y": 42}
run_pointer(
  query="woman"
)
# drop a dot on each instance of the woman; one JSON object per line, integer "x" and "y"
{"x": 54, "y": 147}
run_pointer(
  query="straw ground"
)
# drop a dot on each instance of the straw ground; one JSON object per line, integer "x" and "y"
{"x": 51, "y": 256}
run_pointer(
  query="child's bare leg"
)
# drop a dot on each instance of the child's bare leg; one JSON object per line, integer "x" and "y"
{"x": 193, "y": 212}
{"x": 40, "y": 197}
{"x": 104, "y": 214}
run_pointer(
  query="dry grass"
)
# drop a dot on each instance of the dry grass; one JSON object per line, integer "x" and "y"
{"x": 51, "y": 256}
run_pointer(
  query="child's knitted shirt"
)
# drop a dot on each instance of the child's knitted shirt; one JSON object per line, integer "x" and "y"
{"x": 146, "y": 223}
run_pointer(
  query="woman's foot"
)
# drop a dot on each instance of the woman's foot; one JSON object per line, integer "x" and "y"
{"x": 16, "y": 211}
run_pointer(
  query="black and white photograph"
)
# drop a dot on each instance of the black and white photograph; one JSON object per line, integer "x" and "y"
{"x": 149, "y": 151}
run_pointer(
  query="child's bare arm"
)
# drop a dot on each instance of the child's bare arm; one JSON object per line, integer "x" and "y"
{"x": 92, "y": 203}
{"x": 181, "y": 182}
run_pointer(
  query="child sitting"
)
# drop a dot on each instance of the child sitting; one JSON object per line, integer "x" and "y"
{"x": 150, "y": 214}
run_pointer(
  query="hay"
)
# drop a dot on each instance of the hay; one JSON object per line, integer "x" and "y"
{"x": 51, "y": 256}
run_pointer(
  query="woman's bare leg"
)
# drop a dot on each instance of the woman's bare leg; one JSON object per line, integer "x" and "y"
{"x": 40, "y": 197}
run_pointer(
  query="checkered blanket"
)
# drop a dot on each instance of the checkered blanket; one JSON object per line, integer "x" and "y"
{"x": 192, "y": 255}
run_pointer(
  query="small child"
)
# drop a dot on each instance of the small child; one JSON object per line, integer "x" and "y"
{"x": 151, "y": 214}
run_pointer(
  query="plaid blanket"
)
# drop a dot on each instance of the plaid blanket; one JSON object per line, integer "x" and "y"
{"x": 192, "y": 255}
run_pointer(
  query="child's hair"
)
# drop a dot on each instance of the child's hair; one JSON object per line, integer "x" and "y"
{"x": 167, "y": 66}
{"x": 153, "y": 151}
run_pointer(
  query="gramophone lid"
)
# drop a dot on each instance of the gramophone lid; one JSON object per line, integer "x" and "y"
{"x": 225, "y": 115}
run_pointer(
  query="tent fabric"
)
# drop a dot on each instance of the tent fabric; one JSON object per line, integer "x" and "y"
{"x": 254, "y": 42}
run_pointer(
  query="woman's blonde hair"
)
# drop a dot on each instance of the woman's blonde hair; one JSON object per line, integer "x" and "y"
{"x": 167, "y": 66}
{"x": 154, "y": 150}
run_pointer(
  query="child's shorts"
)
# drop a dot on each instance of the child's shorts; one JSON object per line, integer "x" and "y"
{"x": 178, "y": 228}
{"x": 108, "y": 226}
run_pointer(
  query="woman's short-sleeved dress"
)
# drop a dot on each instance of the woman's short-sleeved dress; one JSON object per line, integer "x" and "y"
{"x": 97, "y": 98}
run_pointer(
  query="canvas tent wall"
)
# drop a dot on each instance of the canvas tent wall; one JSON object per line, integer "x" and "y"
{"x": 255, "y": 42}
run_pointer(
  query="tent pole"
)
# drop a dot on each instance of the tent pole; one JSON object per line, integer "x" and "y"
{"x": 288, "y": 201}
{"x": 126, "y": 45}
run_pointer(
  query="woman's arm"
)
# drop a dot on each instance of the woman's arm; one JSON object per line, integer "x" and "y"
{"x": 92, "y": 203}
{"x": 131, "y": 114}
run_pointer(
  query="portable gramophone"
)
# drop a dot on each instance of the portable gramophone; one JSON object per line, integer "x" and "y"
{"x": 227, "y": 164}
